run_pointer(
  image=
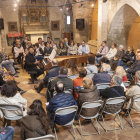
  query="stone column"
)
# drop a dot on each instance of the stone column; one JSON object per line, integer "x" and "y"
{"x": 0, "y": 17}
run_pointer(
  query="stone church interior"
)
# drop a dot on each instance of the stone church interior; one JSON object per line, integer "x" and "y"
{"x": 69, "y": 69}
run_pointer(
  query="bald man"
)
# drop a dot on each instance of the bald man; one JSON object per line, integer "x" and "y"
{"x": 53, "y": 72}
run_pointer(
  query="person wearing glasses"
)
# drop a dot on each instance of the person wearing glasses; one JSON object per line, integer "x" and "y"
{"x": 83, "y": 49}
{"x": 101, "y": 53}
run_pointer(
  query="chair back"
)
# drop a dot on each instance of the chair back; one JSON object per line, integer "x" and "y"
{"x": 126, "y": 83}
{"x": 103, "y": 85}
{"x": 69, "y": 91}
{"x": 91, "y": 75}
{"x": 73, "y": 76}
{"x": 111, "y": 73}
{"x": 51, "y": 79}
{"x": 92, "y": 105}
{"x": 47, "y": 137}
{"x": 114, "y": 105}
{"x": 66, "y": 110}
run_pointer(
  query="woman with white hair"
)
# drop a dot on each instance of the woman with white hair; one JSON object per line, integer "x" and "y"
{"x": 121, "y": 72}
{"x": 118, "y": 56}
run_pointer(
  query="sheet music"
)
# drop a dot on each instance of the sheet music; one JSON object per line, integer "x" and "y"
{"x": 52, "y": 55}
{"x": 46, "y": 56}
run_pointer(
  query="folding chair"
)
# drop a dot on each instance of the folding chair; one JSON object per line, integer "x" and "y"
{"x": 111, "y": 73}
{"x": 11, "y": 107}
{"x": 135, "y": 99}
{"x": 69, "y": 91}
{"x": 66, "y": 111}
{"x": 127, "y": 83}
{"x": 91, "y": 75}
{"x": 51, "y": 79}
{"x": 73, "y": 76}
{"x": 118, "y": 101}
{"x": 91, "y": 105}
{"x": 103, "y": 85}
{"x": 47, "y": 137}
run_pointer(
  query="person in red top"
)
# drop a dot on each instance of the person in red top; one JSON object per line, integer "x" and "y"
{"x": 121, "y": 72}
{"x": 78, "y": 82}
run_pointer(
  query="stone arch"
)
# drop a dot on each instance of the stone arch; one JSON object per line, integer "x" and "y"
{"x": 121, "y": 25}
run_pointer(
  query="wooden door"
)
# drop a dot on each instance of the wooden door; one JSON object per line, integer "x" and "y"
{"x": 68, "y": 36}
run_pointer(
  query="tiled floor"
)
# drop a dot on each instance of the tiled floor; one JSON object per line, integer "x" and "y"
{"x": 128, "y": 133}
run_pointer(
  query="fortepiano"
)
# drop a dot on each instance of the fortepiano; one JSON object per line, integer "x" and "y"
{"x": 62, "y": 60}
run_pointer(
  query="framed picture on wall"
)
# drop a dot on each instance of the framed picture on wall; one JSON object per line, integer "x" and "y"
{"x": 12, "y": 26}
{"x": 34, "y": 16}
{"x": 55, "y": 25}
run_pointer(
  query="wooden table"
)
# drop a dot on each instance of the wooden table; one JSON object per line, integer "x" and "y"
{"x": 62, "y": 60}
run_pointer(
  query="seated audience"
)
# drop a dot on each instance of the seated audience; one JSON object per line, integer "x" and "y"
{"x": 53, "y": 72}
{"x": 102, "y": 52}
{"x": 9, "y": 95}
{"x": 39, "y": 41}
{"x": 53, "y": 45}
{"x": 29, "y": 44}
{"x": 72, "y": 68}
{"x": 126, "y": 57}
{"x": 103, "y": 61}
{"x": 68, "y": 83}
{"x": 134, "y": 68}
{"x": 38, "y": 53}
{"x": 8, "y": 135}
{"x": 78, "y": 82}
{"x": 118, "y": 56}
{"x": 83, "y": 49}
{"x": 90, "y": 93}
{"x": 31, "y": 64}
{"x": 48, "y": 49}
{"x": 37, "y": 123}
{"x": 19, "y": 52}
{"x": 112, "y": 52}
{"x": 42, "y": 46}
{"x": 121, "y": 72}
{"x": 91, "y": 68}
{"x": 103, "y": 76}
{"x": 23, "y": 42}
{"x": 14, "y": 43}
{"x": 61, "y": 100}
{"x": 116, "y": 90}
{"x": 72, "y": 49}
{"x": 61, "y": 51}
{"x": 133, "y": 92}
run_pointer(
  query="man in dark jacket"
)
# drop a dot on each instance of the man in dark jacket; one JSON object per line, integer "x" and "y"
{"x": 103, "y": 76}
{"x": 134, "y": 68}
{"x": 31, "y": 64}
{"x": 53, "y": 72}
{"x": 61, "y": 100}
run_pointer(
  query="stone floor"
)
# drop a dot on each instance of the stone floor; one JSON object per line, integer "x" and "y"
{"x": 128, "y": 133}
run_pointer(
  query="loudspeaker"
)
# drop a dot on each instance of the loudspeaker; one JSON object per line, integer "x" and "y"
{"x": 80, "y": 24}
{"x": 1, "y": 23}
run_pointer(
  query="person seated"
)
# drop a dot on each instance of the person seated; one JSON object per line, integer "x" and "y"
{"x": 72, "y": 68}
{"x": 134, "y": 68}
{"x": 116, "y": 90}
{"x": 37, "y": 123}
{"x": 29, "y": 44}
{"x": 14, "y": 43}
{"x": 78, "y": 82}
{"x": 48, "y": 40}
{"x": 19, "y": 52}
{"x": 104, "y": 60}
{"x": 66, "y": 45}
{"x": 53, "y": 72}
{"x": 72, "y": 49}
{"x": 39, "y": 41}
{"x": 133, "y": 92}
{"x": 38, "y": 53}
{"x": 48, "y": 49}
{"x": 83, "y": 49}
{"x": 121, "y": 72}
{"x": 8, "y": 135}
{"x": 118, "y": 56}
{"x": 103, "y": 76}
{"x": 61, "y": 100}
{"x": 112, "y": 52}
{"x": 53, "y": 45}
{"x": 61, "y": 51}
{"x": 91, "y": 68}
{"x": 42, "y": 46}
{"x": 68, "y": 83}
{"x": 23, "y": 42}
{"x": 126, "y": 57}
{"x": 90, "y": 93}
{"x": 101, "y": 53}
{"x": 31, "y": 63}
{"x": 9, "y": 95}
